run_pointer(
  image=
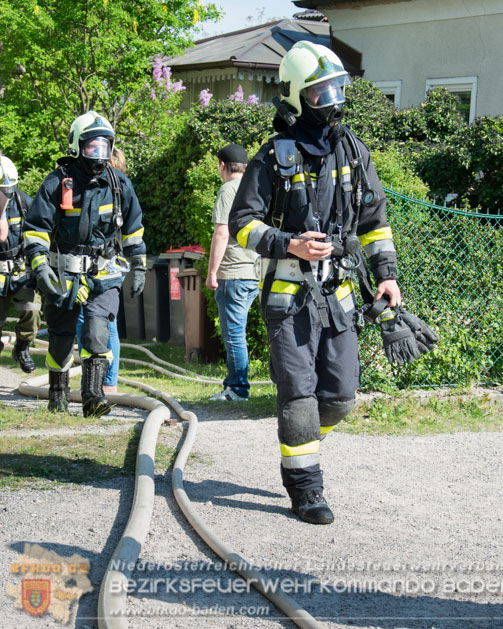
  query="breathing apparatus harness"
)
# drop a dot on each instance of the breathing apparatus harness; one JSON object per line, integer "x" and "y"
{"x": 80, "y": 259}
{"x": 111, "y": 245}
{"x": 12, "y": 260}
{"x": 346, "y": 256}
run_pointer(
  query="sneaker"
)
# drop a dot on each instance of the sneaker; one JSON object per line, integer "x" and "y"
{"x": 228, "y": 395}
{"x": 311, "y": 507}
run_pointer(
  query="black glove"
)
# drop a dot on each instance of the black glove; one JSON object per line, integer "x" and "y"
{"x": 399, "y": 342}
{"x": 46, "y": 278}
{"x": 139, "y": 270}
{"x": 405, "y": 337}
{"x": 424, "y": 335}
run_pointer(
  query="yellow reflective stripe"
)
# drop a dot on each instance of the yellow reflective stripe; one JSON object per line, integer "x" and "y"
{"x": 74, "y": 210}
{"x": 298, "y": 178}
{"x": 37, "y": 260}
{"x": 50, "y": 362}
{"x": 106, "y": 208}
{"x": 306, "y": 448}
{"x": 382, "y": 233}
{"x": 242, "y": 236}
{"x": 346, "y": 170}
{"x": 16, "y": 219}
{"x": 326, "y": 429}
{"x": 386, "y": 315}
{"x": 84, "y": 355}
{"x": 279, "y": 286}
{"x": 40, "y": 235}
{"x": 345, "y": 289}
{"x": 2, "y": 279}
{"x": 136, "y": 234}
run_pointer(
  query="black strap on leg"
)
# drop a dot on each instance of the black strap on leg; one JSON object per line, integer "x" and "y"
{"x": 319, "y": 300}
{"x": 267, "y": 285}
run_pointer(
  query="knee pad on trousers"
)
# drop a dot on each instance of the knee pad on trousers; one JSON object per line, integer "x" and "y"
{"x": 334, "y": 411}
{"x": 94, "y": 336}
{"x": 299, "y": 421}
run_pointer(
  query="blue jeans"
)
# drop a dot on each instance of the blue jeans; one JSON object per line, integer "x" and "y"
{"x": 234, "y": 298}
{"x": 113, "y": 344}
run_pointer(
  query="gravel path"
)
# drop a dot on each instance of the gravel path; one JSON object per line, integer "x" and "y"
{"x": 416, "y": 542}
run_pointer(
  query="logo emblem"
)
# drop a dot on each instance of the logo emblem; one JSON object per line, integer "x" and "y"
{"x": 35, "y": 595}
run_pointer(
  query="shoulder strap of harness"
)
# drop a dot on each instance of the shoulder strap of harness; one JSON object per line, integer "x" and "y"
{"x": 288, "y": 161}
{"x": 15, "y": 252}
{"x": 116, "y": 187}
{"x": 21, "y": 201}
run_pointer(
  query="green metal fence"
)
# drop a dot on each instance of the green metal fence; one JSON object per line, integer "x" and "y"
{"x": 451, "y": 275}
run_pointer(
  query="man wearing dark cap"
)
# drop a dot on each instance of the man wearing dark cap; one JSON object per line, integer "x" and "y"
{"x": 233, "y": 277}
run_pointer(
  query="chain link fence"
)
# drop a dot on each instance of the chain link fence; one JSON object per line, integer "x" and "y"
{"x": 451, "y": 275}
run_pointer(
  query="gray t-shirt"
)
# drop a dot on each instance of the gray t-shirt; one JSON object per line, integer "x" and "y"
{"x": 238, "y": 263}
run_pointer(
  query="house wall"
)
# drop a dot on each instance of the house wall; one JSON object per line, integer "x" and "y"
{"x": 223, "y": 83}
{"x": 414, "y": 41}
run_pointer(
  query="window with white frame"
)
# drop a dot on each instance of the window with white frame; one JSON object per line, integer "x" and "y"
{"x": 465, "y": 88}
{"x": 391, "y": 89}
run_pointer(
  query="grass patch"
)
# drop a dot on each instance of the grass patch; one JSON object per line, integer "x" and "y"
{"x": 85, "y": 458}
{"x": 262, "y": 401}
{"x": 419, "y": 416}
{"x": 12, "y": 417}
{"x": 43, "y": 461}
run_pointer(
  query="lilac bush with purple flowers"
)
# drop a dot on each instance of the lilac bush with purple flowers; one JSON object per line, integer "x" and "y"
{"x": 238, "y": 95}
{"x": 161, "y": 73}
{"x": 204, "y": 97}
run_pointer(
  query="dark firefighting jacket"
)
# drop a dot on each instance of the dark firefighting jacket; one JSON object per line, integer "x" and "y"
{"x": 253, "y": 223}
{"x": 13, "y": 273}
{"x": 83, "y": 243}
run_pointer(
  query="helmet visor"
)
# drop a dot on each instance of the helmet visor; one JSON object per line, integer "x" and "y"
{"x": 326, "y": 93}
{"x": 96, "y": 148}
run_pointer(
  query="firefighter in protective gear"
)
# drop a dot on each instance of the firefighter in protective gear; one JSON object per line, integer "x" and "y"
{"x": 83, "y": 233}
{"x": 14, "y": 276}
{"x": 307, "y": 202}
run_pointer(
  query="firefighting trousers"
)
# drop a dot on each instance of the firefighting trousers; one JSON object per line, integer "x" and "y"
{"x": 316, "y": 371}
{"x": 62, "y": 323}
{"x": 28, "y": 304}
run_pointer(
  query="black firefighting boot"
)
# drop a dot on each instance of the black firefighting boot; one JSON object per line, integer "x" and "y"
{"x": 21, "y": 353}
{"x": 94, "y": 401}
{"x": 59, "y": 391}
{"x": 311, "y": 507}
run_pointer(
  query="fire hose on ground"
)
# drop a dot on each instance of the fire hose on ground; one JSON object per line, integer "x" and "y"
{"x": 130, "y": 544}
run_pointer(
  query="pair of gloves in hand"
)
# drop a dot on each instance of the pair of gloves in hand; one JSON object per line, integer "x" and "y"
{"x": 48, "y": 283}
{"x": 405, "y": 337}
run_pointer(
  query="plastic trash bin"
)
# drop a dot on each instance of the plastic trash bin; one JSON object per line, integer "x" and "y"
{"x": 200, "y": 341}
{"x": 131, "y": 312}
{"x": 156, "y": 302}
{"x": 178, "y": 259}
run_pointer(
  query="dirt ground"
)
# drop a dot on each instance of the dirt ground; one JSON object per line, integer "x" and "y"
{"x": 416, "y": 542}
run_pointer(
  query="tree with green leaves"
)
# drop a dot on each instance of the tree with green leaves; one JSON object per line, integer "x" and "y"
{"x": 61, "y": 58}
